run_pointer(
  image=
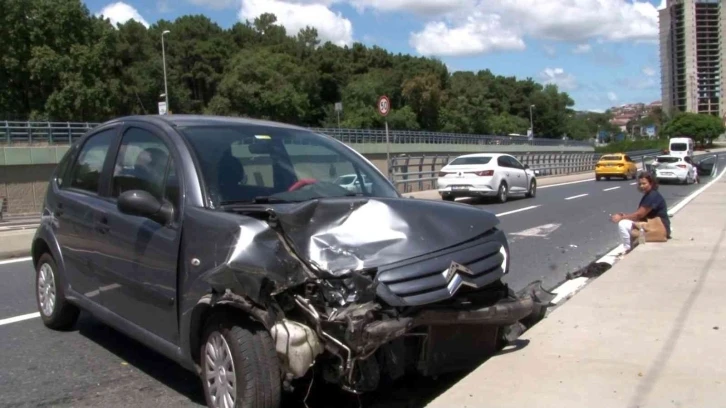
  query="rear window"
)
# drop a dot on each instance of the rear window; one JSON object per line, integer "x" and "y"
{"x": 679, "y": 147}
{"x": 666, "y": 159}
{"x": 612, "y": 158}
{"x": 470, "y": 160}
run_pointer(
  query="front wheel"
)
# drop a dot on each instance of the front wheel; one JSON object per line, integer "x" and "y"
{"x": 532, "y": 192}
{"x": 240, "y": 367}
{"x": 55, "y": 311}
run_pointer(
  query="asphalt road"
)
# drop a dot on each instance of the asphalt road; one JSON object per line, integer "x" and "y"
{"x": 95, "y": 366}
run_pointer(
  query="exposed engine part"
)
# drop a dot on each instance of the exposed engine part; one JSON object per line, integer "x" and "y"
{"x": 297, "y": 346}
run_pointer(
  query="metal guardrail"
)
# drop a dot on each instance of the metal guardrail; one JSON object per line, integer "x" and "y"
{"x": 67, "y": 132}
{"x": 423, "y": 137}
{"x": 418, "y": 173}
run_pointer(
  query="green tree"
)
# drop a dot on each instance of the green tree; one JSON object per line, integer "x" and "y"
{"x": 701, "y": 127}
{"x": 59, "y": 62}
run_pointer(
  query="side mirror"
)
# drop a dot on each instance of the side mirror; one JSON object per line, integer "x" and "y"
{"x": 526, "y": 166}
{"x": 141, "y": 203}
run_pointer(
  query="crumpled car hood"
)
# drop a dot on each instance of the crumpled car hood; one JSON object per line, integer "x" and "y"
{"x": 342, "y": 235}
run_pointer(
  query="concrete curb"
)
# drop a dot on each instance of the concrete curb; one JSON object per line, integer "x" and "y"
{"x": 16, "y": 244}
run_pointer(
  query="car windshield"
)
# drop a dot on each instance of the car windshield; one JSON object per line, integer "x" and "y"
{"x": 668, "y": 159}
{"x": 470, "y": 160}
{"x": 612, "y": 158}
{"x": 679, "y": 147}
{"x": 246, "y": 163}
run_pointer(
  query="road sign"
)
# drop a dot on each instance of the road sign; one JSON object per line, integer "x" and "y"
{"x": 384, "y": 105}
{"x": 162, "y": 108}
{"x": 338, "y": 106}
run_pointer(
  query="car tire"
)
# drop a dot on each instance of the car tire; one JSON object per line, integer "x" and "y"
{"x": 55, "y": 310}
{"x": 250, "y": 353}
{"x": 598, "y": 178}
{"x": 502, "y": 193}
{"x": 532, "y": 192}
{"x": 447, "y": 197}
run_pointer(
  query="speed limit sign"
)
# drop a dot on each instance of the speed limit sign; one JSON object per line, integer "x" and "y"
{"x": 384, "y": 105}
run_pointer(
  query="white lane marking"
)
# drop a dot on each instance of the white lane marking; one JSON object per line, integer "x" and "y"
{"x": 695, "y": 194}
{"x": 611, "y": 188}
{"x": 577, "y": 196}
{"x": 16, "y": 260}
{"x": 516, "y": 211}
{"x": 566, "y": 184}
{"x": 568, "y": 289}
{"x": 541, "y": 231}
{"x": 20, "y": 318}
{"x": 632, "y": 184}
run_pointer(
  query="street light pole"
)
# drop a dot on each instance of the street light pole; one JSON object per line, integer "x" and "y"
{"x": 163, "y": 56}
{"x": 531, "y": 122}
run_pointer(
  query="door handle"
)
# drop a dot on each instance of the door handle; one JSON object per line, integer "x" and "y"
{"x": 102, "y": 225}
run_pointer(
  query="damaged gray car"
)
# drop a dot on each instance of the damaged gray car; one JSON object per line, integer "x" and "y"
{"x": 227, "y": 245}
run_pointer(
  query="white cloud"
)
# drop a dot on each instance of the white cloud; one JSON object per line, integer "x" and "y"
{"x": 572, "y": 20}
{"x": 480, "y": 34}
{"x": 648, "y": 71}
{"x": 120, "y": 13}
{"x": 295, "y": 16}
{"x": 214, "y": 4}
{"x": 549, "y": 50}
{"x": 582, "y": 49}
{"x": 422, "y": 7}
{"x": 662, "y": 5}
{"x": 559, "y": 77}
{"x": 612, "y": 97}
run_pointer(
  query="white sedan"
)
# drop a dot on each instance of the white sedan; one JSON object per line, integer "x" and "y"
{"x": 486, "y": 175}
{"x": 351, "y": 182}
{"x": 674, "y": 168}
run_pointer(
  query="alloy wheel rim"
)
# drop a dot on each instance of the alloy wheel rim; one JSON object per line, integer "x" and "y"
{"x": 219, "y": 372}
{"x": 46, "y": 290}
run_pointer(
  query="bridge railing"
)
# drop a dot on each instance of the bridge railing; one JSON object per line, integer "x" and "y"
{"x": 67, "y": 132}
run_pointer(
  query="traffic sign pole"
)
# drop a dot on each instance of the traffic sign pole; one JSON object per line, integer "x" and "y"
{"x": 388, "y": 153}
{"x": 384, "y": 107}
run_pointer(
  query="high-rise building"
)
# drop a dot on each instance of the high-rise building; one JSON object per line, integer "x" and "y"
{"x": 693, "y": 56}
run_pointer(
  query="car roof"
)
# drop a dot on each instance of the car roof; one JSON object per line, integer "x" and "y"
{"x": 492, "y": 155}
{"x": 201, "y": 120}
{"x": 613, "y": 154}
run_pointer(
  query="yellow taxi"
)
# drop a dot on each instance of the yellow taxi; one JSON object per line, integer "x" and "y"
{"x": 615, "y": 165}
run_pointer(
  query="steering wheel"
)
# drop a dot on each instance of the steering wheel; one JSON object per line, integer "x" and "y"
{"x": 302, "y": 183}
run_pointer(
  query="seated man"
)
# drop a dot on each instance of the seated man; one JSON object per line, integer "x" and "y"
{"x": 652, "y": 215}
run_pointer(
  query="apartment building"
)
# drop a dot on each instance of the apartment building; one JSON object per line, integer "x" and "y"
{"x": 693, "y": 56}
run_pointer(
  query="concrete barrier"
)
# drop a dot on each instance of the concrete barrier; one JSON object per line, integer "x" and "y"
{"x": 15, "y": 244}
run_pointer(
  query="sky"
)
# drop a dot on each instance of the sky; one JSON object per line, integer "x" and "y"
{"x": 603, "y": 53}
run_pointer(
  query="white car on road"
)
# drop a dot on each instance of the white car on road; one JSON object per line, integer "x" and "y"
{"x": 351, "y": 182}
{"x": 486, "y": 175}
{"x": 674, "y": 168}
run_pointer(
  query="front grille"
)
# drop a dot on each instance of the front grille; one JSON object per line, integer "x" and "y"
{"x": 424, "y": 281}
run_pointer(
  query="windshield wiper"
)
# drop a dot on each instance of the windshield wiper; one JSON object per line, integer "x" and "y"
{"x": 256, "y": 200}
{"x": 270, "y": 200}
